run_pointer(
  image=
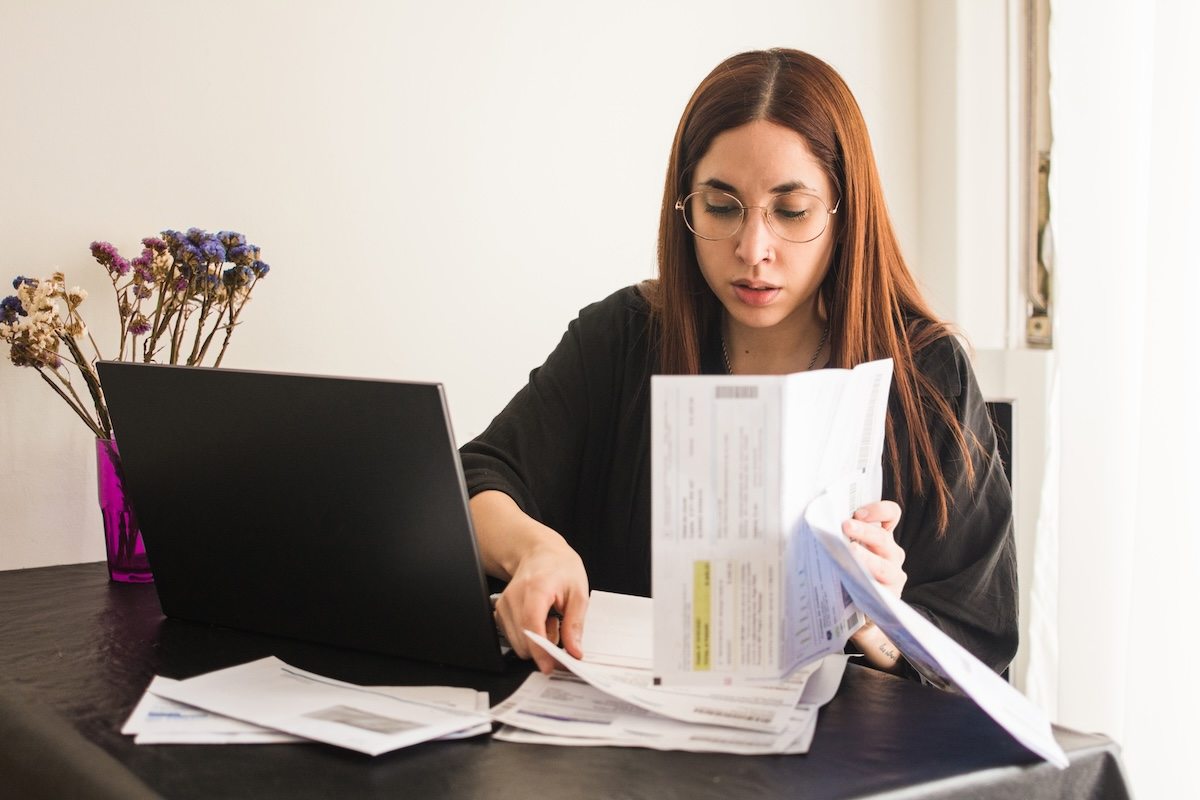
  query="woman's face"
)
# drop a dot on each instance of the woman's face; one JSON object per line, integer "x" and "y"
{"x": 763, "y": 280}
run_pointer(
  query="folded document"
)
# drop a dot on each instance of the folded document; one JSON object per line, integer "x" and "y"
{"x": 270, "y": 701}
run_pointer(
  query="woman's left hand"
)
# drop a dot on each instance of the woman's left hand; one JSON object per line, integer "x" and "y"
{"x": 872, "y": 528}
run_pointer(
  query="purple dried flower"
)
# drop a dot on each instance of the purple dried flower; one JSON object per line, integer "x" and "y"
{"x": 140, "y": 326}
{"x": 10, "y": 309}
{"x": 196, "y": 235}
{"x": 21, "y": 279}
{"x": 155, "y": 244}
{"x": 181, "y": 284}
{"x": 260, "y": 268}
{"x": 144, "y": 260}
{"x": 108, "y": 256}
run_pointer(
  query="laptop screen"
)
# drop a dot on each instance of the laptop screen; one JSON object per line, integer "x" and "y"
{"x": 327, "y": 509}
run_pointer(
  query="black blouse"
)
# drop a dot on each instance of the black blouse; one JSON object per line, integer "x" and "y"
{"x": 572, "y": 448}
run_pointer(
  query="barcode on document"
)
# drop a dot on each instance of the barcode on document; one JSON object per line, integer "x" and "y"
{"x": 864, "y": 446}
{"x": 749, "y": 716}
{"x": 737, "y": 392}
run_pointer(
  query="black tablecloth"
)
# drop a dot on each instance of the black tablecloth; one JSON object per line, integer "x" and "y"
{"x": 76, "y": 652}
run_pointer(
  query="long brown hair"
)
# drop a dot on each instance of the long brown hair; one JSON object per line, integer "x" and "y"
{"x": 874, "y": 307}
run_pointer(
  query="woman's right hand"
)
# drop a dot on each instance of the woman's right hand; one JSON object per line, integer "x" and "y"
{"x": 547, "y": 590}
{"x": 547, "y": 594}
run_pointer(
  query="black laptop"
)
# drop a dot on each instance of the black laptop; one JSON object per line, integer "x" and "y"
{"x": 320, "y": 508}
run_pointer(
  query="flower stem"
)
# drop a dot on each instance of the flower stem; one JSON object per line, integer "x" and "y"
{"x": 91, "y": 423}
{"x": 92, "y": 380}
{"x": 233, "y": 315}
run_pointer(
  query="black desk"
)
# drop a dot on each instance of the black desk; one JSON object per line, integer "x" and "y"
{"x": 76, "y": 653}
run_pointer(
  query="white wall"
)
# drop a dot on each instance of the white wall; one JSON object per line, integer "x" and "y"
{"x": 971, "y": 83}
{"x": 416, "y": 174}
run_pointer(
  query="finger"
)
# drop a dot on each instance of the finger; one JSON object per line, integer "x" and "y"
{"x": 885, "y": 512}
{"x": 874, "y": 539}
{"x": 887, "y": 573}
{"x": 511, "y": 629}
{"x": 553, "y": 629}
{"x": 535, "y": 618}
{"x": 574, "y": 612}
{"x": 870, "y": 535}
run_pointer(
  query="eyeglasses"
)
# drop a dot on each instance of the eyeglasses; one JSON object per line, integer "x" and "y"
{"x": 795, "y": 216}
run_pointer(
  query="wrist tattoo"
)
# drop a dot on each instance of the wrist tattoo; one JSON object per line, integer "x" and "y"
{"x": 889, "y": 651}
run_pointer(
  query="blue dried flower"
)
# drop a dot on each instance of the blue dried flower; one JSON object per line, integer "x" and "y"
{"x": 242, "y": 255}
{"x": 260, "y": 268}
{"x": 213, "y": 250}
{"x": 196, "y": 235}
{"x": 231, "y": 239}
{"x": 11, "y": 308}
{"x": 189, "y": 258}
{"x": 21, "y": 279}
{"x": 236, "y": 277}
{"x": 174, "y": 238}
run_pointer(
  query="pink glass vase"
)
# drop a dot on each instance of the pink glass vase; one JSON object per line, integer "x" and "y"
{"x": 127, "y": 562}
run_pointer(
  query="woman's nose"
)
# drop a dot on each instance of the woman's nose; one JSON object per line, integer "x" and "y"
{"x": 755, "y": 239}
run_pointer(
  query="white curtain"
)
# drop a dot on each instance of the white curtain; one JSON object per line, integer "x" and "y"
{"x": 1115, "y": 637}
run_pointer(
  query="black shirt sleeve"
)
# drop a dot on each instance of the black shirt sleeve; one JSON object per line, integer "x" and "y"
{"x": 965, "y": 580}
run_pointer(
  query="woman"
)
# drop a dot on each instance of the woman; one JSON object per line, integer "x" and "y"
{"x": 776, "y": 255}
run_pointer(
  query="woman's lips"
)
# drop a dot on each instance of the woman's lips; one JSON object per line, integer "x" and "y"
{"x": 755, "y": 295}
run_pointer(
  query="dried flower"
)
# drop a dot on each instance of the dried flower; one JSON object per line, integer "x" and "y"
{"x": 173, "y": 301}
{"x": 10, "y": 309}
{"x": 108, "y": 256}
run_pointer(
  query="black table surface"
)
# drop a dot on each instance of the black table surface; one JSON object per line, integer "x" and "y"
{"x": 76, "y": 653}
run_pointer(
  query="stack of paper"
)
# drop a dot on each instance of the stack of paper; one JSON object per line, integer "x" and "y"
{"x": 610, "y": 698}
{"x": 270, "y": 701}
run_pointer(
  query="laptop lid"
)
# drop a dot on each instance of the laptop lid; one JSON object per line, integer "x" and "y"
{"x": 327, "y": 509}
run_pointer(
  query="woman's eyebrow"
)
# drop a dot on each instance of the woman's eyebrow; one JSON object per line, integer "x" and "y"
{"x": 793, "y": 186}
{"x": 722, "y": 186}
{"x": 783, "y": 188}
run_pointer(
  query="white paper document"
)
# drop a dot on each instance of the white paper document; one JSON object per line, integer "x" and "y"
{"x": 932, "y": 652}
{"x": 754, "y": 708}
{"x": 157, "y": 720}
{"x": 735, "y": 460}
{"x": 604, "y": 705}
{"x": 619, "y": 630}
{"x": 373, "y": 720}
{"x": 752, "y": 477}
{"x": 563, "y": 709}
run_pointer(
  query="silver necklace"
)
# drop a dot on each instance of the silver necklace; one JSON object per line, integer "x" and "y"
{"x": 812, "y": 362}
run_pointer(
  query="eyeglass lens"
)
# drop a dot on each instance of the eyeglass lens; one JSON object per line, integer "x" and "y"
{"x": 795, "y": 216}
